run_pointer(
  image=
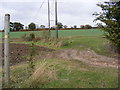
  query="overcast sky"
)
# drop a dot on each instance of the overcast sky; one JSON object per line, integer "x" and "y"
{"x": 70, "y": 12}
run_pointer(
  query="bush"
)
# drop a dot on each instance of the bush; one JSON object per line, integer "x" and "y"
{"x": 29, "y": 37}
{"x": 32, "y": 36}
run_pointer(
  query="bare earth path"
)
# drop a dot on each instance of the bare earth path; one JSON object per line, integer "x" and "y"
{"x": 19, "y": 53}
{"x": 89, "y": 57}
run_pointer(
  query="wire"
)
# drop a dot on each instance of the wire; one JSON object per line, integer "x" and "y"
{"x": 38, "y": 10}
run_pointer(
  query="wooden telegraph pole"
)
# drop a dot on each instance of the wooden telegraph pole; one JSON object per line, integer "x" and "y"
{"x": 56, "y": 22}
{"x": 6, "y": 49}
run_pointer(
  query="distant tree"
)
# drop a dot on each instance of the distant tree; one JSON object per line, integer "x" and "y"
{"x": 32, "y": 26}
{"x": 111, "y": 18}
{"x": 11, "y": 26}
{"x": 75, "y": 26}
{"x": 87, "y": 26}
{"x": 65, "y": 26}
{"x": 82, "y": 26}
{"x": 26, "y": 27}
{"x": 16, "y": 26}
{"x": 60, "y": 25}
{"x": 42, "y": 26}
{"x": 53, "y": 28}
{"x": 71, "y": 27}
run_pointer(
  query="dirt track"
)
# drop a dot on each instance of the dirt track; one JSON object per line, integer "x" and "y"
{"x": 19, "y": 53}
{"x": 89, "y": 57}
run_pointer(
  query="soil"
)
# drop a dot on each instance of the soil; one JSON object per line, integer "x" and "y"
{"x": 89, "y": 57}
{"x": 19, "y": 53}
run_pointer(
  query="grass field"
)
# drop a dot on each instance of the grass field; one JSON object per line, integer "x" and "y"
{"x": 63, "y": 74}
{"x": 84, "y": 32}
{"x": 59, "y": 73}
{"x": 78, "y": 39}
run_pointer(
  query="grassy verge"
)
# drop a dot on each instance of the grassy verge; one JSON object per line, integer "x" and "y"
{"x": 64, "y": 74}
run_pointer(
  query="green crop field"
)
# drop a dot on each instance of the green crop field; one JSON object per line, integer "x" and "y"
{"x": 84, "y": 32}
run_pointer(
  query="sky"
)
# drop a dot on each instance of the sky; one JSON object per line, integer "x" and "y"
{"x": 70, "y": 12}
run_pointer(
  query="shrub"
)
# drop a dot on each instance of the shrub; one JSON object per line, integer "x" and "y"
{"x": 29, "y": 37}
{"x": 31, "y": 55}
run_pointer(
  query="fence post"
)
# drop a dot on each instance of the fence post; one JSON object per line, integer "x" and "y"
{"x": 6, "y": 49}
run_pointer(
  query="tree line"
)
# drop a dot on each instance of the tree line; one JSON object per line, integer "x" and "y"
{"x": 16, "y": 26}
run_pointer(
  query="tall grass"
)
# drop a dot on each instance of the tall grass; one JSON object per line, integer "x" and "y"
{"x": 42, "y": 75}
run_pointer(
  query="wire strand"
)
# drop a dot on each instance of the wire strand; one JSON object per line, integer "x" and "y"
{"x": 38, "y": 10}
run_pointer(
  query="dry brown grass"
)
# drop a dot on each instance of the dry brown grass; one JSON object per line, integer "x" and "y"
{"x": 43, "y": 74}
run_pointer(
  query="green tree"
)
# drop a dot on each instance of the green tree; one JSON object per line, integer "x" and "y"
{"x": 75, "y": 26}
{"x": 82, "y": 26}
{"x": 71, "y": 27}
{"x": 87, "y": 26}
{"x": 32, "y": 26}
{"x": 65, "y": 26}
{"x": 42, "y": 26}
{"x": 60, "y": 25}
{"x": 111, "y": 18}
{"x": 16, "y": 26}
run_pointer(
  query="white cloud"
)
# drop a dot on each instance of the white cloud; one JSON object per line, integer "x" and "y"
{"x": 52, "y": 0}
{"x": 70, "y": 12}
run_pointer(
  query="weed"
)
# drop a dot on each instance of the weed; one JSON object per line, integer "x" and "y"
{"x": 31, "y": 62}
{"x": 45, "y": 35}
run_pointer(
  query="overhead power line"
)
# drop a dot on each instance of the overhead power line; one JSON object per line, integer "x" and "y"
{"x": 38, "y": 10}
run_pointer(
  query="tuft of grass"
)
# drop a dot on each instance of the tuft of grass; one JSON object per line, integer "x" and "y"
{"x": 42, "y": 75}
